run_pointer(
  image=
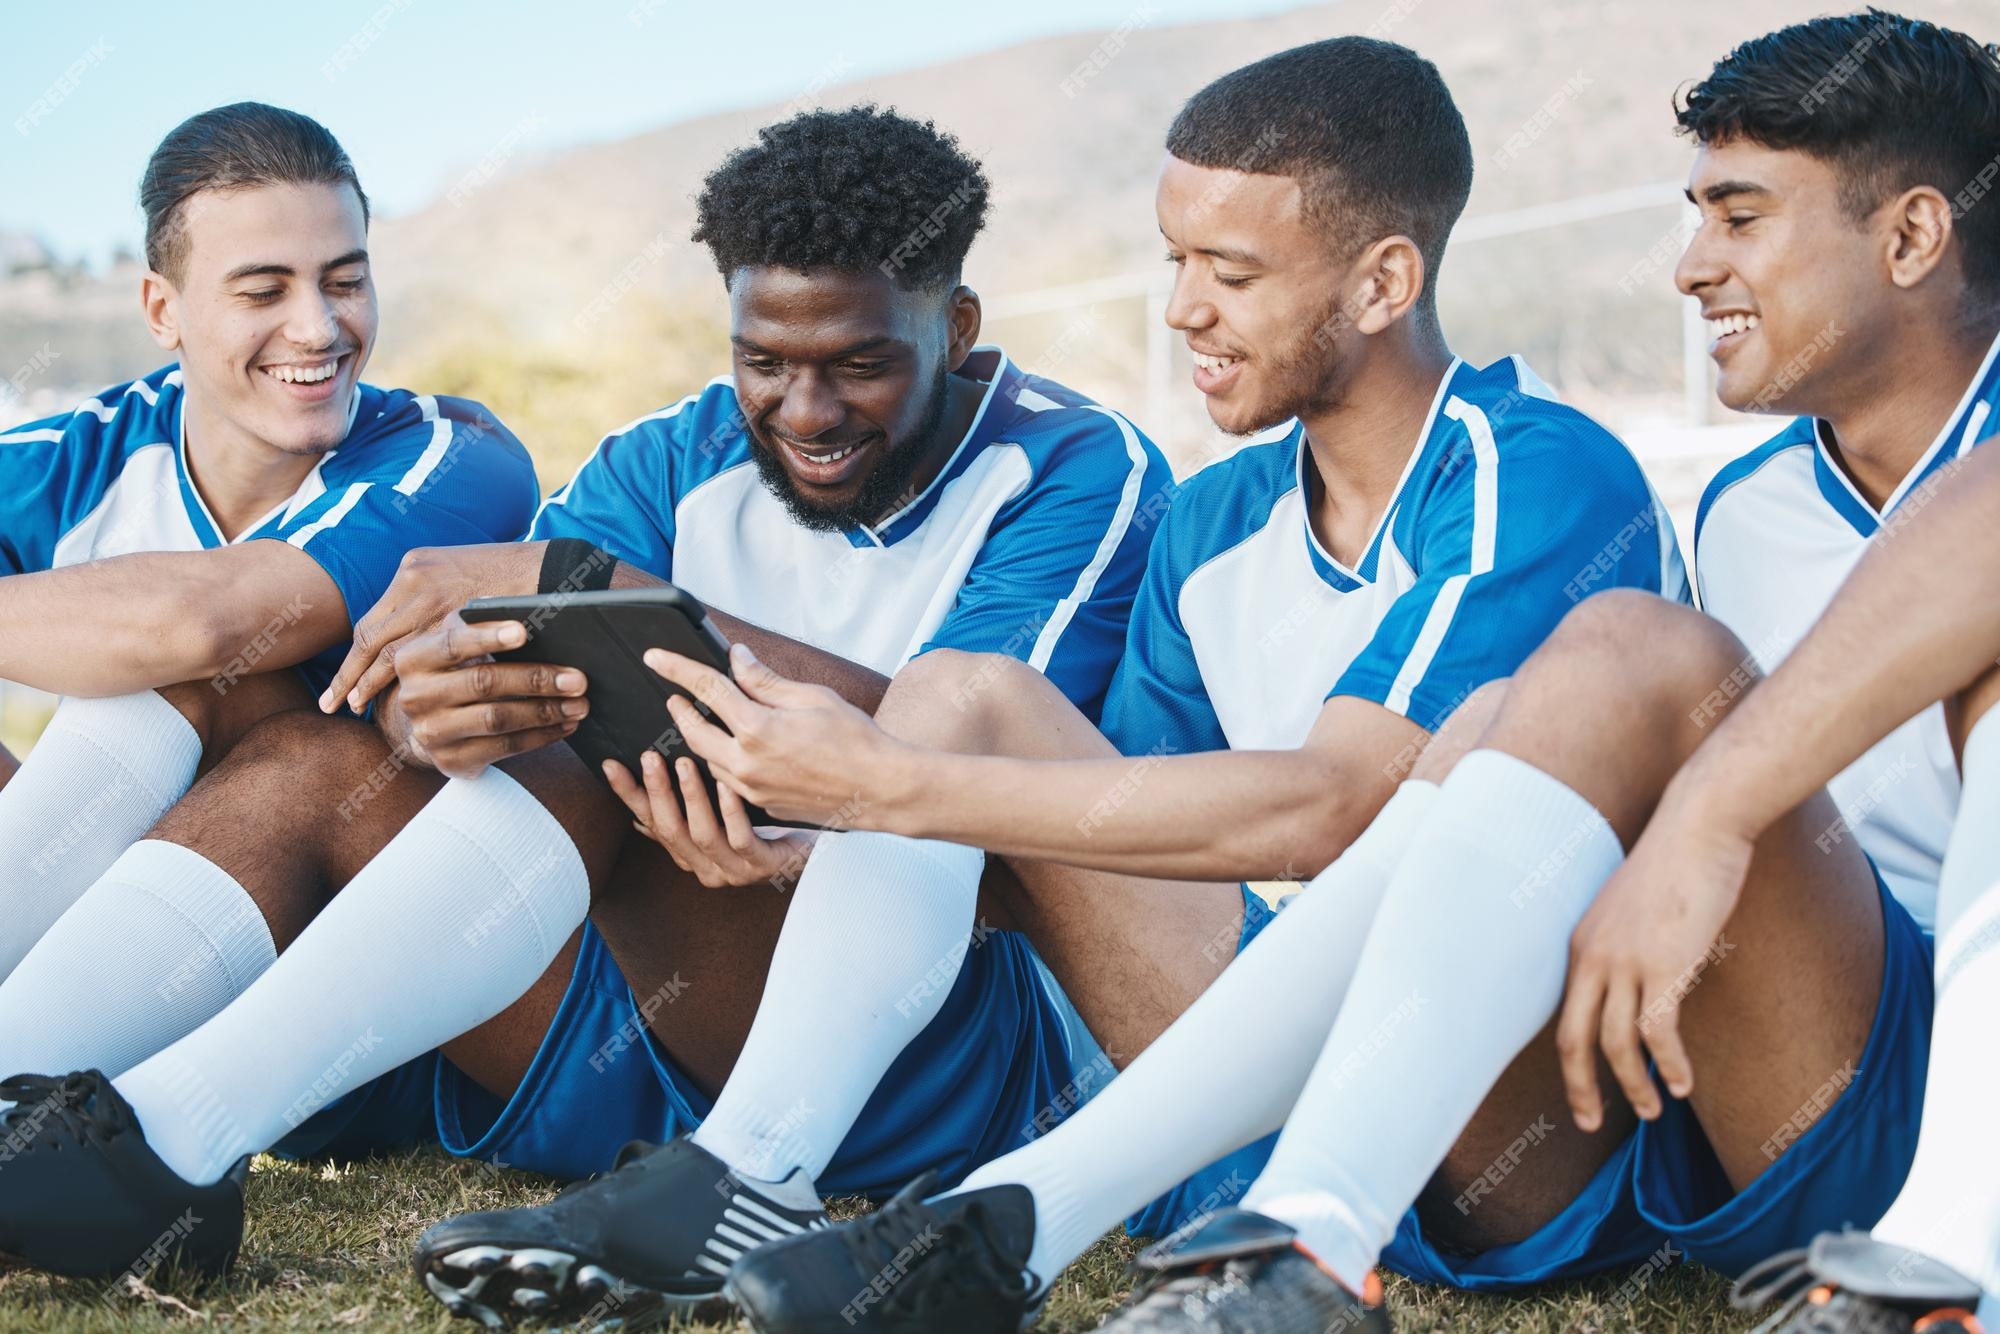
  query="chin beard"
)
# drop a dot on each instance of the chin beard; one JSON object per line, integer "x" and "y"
{"x": 882, "y": 492}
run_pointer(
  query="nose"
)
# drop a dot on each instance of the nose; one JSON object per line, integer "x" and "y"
{"x": 1188, "y": 306}
{"x": 809, "y": 408}
{"x": 313, "y": 322}
{"x": 1700, "y": 268}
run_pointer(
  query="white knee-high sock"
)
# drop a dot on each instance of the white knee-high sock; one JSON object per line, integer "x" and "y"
{"x": 449, "y": 925}
{"x": 1464, "y": 964}
{"x": 102, "y": 773}
{"x": 877, "y": 930}
{"x": 1227, "y": 1071}
{"x": 154, "y": 949}
{"x": 1949, "y": 1207}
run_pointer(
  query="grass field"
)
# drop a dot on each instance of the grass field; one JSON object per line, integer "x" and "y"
{"x": 329, "y": 1248}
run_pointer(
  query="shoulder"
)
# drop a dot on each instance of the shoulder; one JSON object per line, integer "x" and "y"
{"x": 1066, "y": 432}
{"x": 1506, "y": 418}
{"x": 1795, "y": 441}
{"x": 1229, "y": 501}
{"x": 115, "y": 420}
{"x": 689, "y": 441}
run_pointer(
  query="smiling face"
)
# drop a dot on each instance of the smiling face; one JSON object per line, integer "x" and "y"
{"x": 1794, "y": 288}
{"x": 1256, "y": 292}
{"x": 844, "y": 382}
{"x": 273, "y": 314}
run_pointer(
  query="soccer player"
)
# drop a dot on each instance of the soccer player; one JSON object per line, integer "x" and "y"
{"x": 1912, "y": 627}
{"x": 186, "y": 554}
{"x": 1780, "y": 981}
{"x": 869, "y": 486}
{"x": 1404, "y": 529}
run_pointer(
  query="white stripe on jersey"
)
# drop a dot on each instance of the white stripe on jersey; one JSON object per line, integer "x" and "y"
{"x": 1973, "y": 425}
{"x": 562, "y": 496}
{"x": 1485, "y": 534}
{"x": 30, "y": 437}
{"x": 1114, "y": 537}
{"x": 331, "y": 517}
{"x": 434, "y": 452}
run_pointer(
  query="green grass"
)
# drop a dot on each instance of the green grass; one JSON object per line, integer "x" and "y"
{"x": 329, "y": 1248}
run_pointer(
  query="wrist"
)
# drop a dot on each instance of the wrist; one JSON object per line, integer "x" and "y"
{"x": 1700, "y": 799}
{"x": 908, "y": 783}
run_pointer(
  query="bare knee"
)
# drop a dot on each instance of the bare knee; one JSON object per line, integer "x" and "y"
{"x": 223, "y": 710}
{"x": 954, "y": 700}
{"x": 1663, "y": 664}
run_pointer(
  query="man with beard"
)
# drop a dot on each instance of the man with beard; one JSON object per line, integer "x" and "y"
{"x": 870, "y": 486}
{"x": 1406, "y": 529}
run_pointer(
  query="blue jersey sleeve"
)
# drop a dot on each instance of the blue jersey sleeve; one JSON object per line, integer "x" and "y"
{"x": 1054, "y": 582}
{"x": 1158, "y": 703}
{"x": 1503, "y": 547}
{"x": 52, "y": 473}
{"x": 431, "y": 473}
{"x": 621, "y": 500}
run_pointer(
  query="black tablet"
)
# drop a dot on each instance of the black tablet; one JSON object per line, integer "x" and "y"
{"x": 605, "y": 636}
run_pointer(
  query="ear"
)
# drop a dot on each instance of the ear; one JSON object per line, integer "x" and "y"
{"x": 1919, "y": 227}
{"x": 1389, "y": 281}
{"x": 965, "y": 318}
{"x": 161, "y": 303}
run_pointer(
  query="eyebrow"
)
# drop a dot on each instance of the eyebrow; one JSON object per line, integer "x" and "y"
{"x": 1722, "y": 190}
{"x": 287, "y": 271}
{"x": 1227, "y": 253}
{"x": 865, "y": 345}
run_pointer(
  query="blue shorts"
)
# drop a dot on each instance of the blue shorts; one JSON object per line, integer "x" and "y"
{"x": 1663, "y": 1186}
{"x": 390, "y": 1113}
{"x": 1600, "y": 1229}
{"x": 1836, "y": 1166}
{"x": 994, "y": 1069}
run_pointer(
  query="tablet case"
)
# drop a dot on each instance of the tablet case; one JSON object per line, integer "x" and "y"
{"x": 605, "y": 636}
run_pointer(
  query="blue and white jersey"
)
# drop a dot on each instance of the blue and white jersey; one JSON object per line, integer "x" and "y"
{"x": 1512, "y": 508}
{"x": 1030, "y": 542}
{"x": 112, "y": 479}
{"x": 1778, "y": 531}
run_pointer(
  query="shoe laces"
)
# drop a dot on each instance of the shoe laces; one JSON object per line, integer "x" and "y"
{"x": 47, "y": 1110}
{"x": 1807, "y": 1307}
{"x": 892, "y": 1243}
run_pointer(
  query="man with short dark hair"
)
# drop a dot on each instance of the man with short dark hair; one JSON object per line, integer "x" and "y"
{"x": 869, "y": 487}
{"x": 185, "y": 555}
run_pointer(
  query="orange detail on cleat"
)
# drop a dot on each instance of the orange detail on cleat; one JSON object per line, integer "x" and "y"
{"x": 1965, "y": 1319}
{"x": 1821, "y": 1295}
{"x": 1371, "y": 1291}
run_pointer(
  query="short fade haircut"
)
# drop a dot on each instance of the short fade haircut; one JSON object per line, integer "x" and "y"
{"x": 856, "y": 189}
{"x": 1888, "y": 102}
{"x": 1366, "y": 127}
{"x": 236, "y": 147}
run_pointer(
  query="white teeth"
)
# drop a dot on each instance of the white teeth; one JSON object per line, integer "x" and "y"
{"x": 302, "y": 374}
{"x": 834, "y": 457}
{"x": 1732, "y": 324}
{"x": 1213, "y": 365}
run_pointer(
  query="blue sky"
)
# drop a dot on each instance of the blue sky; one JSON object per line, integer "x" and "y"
{"x": 421, "y": 90}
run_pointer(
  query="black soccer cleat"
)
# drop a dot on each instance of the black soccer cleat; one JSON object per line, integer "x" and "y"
{"x": 82, "y": 1193}
{"x": 1238, "y": 1272}
{"x": 959, "y": 1263}
{"x": 649, "y": 1240}
{"x": 1850, "y": 1283}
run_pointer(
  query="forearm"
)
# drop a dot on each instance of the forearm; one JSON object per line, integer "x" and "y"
{"x": 138, "y": 622}
{"x": 1227, "y": 815}
{"x": 1915, "y": 623}
{"x": 801, "y": 662}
